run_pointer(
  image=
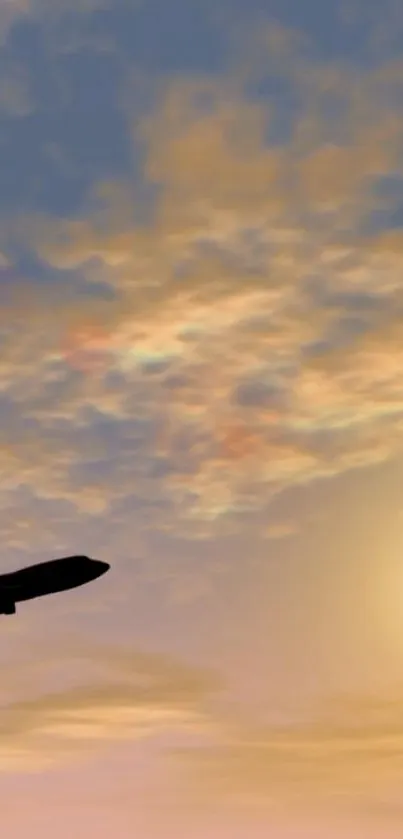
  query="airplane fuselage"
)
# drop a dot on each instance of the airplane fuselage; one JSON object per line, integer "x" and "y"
{"x": 47, "y": 578}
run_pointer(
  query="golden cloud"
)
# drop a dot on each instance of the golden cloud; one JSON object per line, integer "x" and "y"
{"x": 347, "y": 761}
{"x": 136, "y": 696}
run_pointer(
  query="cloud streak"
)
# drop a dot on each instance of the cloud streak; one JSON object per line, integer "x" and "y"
{"x": 347, "y": 761}
{"x": 130, "y": 696}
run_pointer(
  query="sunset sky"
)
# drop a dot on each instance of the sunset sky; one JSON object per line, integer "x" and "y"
{"x": 201, "y": 374}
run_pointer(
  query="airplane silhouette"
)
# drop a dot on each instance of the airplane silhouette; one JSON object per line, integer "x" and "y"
{"x": 47, "y": 578}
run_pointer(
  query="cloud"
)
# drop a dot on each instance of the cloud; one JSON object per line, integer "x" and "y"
{"x": 347, "y": 761}
{"x": 249, "y": 323}
{"x": 130, "y": 696}
{"x": 281, "y": 530}
{"x": 11, "y": 11}
{"x": 61, "y": 21}
{"x": 15, "y": 96}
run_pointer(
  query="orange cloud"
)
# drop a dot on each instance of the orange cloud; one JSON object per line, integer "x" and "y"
{"x": 138, "y": 696}
{"x": 86, "y": 347}
{"x": 345, "y": 763}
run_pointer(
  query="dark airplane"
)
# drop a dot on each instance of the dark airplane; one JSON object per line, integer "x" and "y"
{"x": 47, "y": 578}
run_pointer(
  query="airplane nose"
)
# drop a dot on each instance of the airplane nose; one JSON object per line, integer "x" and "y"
{"x": 101, "y": 567}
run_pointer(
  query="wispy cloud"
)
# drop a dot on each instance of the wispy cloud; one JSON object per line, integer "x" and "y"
{"x": 347, "y": 761}
{"x": 123, "y": 695}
